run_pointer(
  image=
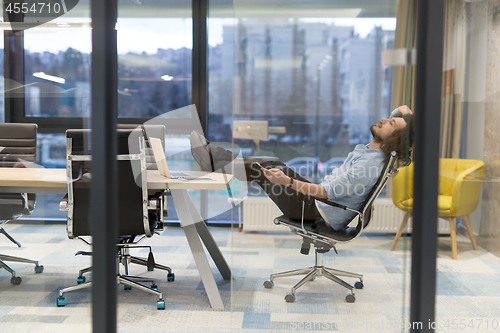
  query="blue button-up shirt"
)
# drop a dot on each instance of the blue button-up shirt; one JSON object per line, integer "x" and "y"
{"x": 351, "y": 184}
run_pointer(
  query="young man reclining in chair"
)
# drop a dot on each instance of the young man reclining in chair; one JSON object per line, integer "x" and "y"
{"x": 348, "y": 185}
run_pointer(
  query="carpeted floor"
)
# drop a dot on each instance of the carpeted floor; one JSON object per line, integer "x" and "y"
{"x": 468, "y": 299}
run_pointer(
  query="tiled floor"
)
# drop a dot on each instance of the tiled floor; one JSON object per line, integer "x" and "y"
{"x": 467, "y": 287}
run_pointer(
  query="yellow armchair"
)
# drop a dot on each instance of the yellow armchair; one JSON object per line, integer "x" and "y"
{"x": 459, "y": 191}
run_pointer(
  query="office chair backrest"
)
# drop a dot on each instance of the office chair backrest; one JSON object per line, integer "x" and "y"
{"x": 17, "y": 145}
{"x": 149, "y": 131}
{"x": 389, "y": 171}
{"x": 365, "y": 215}
{"x": 132, "y": 213}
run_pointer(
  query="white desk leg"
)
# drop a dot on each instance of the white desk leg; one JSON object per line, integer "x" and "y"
{"x": 213, "y": 249}
{"x": 209, "y": 241}
{"x": 181, "y": 201}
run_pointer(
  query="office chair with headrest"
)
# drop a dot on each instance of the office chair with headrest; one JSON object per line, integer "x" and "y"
{"x": 138, "y": 214}
{"x": 17, "y": 149}
{"x": 152, "y": 131}
{"x": 324, "y": 238}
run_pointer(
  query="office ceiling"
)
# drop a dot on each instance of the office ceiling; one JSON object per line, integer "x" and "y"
{"x": 252, "y": 8}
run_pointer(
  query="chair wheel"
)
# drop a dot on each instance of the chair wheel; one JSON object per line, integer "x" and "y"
{"x": 80, "y": 279}
{"x": 359, "y": 284}
{"x": 150, "y": 269}
{"x": 170, "y": 277}
{"x": 268, "y": 284}
{"x": 16, "y": 280}
{"x": 38, "y": 269}
{"x": 127, "y": 287}
{"x": 154, "y": 287}
{"x": 350, "y": 298}
{"x": 290, "y": 298}
{"x": 160, "y": 304}
{"x": 61, "y": 301}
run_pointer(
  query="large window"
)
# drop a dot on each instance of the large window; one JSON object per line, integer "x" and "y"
{"x": 57, "y": 69}
{"x": 320, "y": 78}
{"x": 154, "y": 65}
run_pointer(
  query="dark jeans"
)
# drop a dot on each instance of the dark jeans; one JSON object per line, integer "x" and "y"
{"x": 289, "y": 201}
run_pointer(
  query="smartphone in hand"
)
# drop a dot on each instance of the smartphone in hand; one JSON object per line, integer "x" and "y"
{"x": 260, "y": 165}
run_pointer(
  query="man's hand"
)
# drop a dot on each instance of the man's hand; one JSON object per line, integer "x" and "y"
{"x": 401, "y": 111}
{"x": 404, "y": 110}
{"x": 276, "y": 176}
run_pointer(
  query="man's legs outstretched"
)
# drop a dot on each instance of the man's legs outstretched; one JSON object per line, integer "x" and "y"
{"x": 292, "y": 203}
{"x": 289, "y": 201}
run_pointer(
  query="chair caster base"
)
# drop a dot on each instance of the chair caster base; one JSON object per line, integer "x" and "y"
{"x": 350, "y": 298}
{"x": 16, "y": 280}
{"x": 160, "y": 304}
{"x": 154, "y": 287}
{"x": 38, "y": 269}
{"x": 359, "y": 284}
{"x": 80, "y": 279}
{"x": 290, "y": 298}
{"x": 268, "y": 284}
{"x": 61, "y": 301}
{"x": 127, "y": 287}
{"x": 170, "y": 277}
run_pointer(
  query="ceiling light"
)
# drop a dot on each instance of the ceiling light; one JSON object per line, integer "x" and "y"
{"x": 42, "y": 75}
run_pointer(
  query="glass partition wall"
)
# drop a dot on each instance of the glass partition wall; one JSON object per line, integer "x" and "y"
{"x": 314, "y": 75}
{"x": 469, "y": 156}
{"x": 45, "y": 81}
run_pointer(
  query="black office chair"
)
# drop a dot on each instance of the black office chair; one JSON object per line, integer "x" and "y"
{"x": 152, "y": 131}
{"x": 17, "y": 149}
{"x": 324, "y": 238}
{"x": 138, "y": 213}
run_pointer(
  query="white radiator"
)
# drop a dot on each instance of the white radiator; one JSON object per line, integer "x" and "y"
{"x": 259, "y": 213}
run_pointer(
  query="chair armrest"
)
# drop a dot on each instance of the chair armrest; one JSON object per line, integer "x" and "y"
{"x": 153, "y": 204}
{"x": 467, "y": 190}
{"x": 63, "y": 204}
{"x": 331, "y": 203}
{"x": 155, "y": 201}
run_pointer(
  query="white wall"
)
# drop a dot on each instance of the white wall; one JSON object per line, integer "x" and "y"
{"x": 476, "y": 97}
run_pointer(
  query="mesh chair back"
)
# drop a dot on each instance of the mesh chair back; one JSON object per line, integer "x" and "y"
{"x": 388, "y": 171}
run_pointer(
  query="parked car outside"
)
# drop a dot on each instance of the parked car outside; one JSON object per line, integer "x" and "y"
{"x": 304, "y": 166}
{"x": 332, "y": 163}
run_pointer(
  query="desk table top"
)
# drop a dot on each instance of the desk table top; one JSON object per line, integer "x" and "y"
{"x": 34, "y": 180}
{"x": 217, "y": 181}
{"x": 41, "y": 180}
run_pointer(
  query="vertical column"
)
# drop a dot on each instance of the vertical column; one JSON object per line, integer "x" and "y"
{"x": 200, "y": 73}
{"x": 427, "y": 127}
{"x": 14, "y": 74}
{"x": 104, "y": 149}
{"x": 200, "y": 42}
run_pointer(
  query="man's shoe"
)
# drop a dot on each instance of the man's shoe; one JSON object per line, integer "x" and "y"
{"x": 208, "y": 156}
{"x": 201, "y": 151}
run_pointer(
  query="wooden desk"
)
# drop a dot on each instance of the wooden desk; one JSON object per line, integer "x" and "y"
{"x": 219, "y": 182}
{"x": 194, "y": 226}
{"x": 33, "y": 180}
{"x": 40, "y": 180}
